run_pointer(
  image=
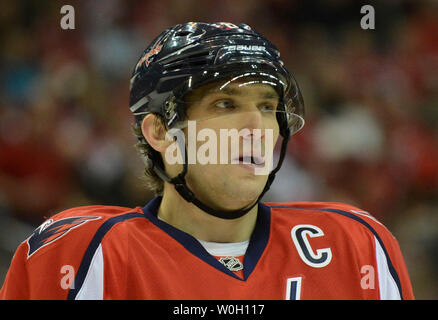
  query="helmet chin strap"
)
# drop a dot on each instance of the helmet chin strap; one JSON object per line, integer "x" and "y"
{"x": 181, "y": 187}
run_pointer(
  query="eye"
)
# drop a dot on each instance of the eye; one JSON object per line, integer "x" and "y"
{"x": 224, "y": 104}
{"x": 268, "y": 107}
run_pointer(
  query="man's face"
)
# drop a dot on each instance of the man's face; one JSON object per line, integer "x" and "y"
{"x": 230, "y": 133}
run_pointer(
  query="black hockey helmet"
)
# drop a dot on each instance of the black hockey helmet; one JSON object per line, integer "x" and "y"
{"x": 188, "y": 56}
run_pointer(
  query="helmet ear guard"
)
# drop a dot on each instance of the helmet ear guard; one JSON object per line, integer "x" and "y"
{"x": 186, "y": 57}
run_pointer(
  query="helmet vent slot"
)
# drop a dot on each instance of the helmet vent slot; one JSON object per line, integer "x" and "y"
{"x": 182, "y": 33}
{"x": 197, "y": 59}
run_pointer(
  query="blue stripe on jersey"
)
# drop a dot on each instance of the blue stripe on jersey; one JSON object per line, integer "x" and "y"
{"x": 92, "y": 247}
{"x": 257, "y": 244}
{"x": 259, "y": 239}
{"x": 366, "y": 224}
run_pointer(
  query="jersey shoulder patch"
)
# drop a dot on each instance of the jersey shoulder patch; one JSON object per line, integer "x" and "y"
{"x": 67, "y": 222}
{"x": 51, "y": 231}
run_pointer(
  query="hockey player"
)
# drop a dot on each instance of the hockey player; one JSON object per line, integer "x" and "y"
{"x": 207, "y": 235}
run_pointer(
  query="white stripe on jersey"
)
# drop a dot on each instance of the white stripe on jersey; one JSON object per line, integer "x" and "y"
{"x": 387, "y": 286}
{"x": 92, "y": 288}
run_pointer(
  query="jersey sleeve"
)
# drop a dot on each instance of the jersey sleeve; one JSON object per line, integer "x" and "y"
{"x": 392, "y": 274}
{"x": 16, "y": 286}
{"x": 46, "y": 277}
{"x": 393, "y": 279}
{"x": 45, "y": 264}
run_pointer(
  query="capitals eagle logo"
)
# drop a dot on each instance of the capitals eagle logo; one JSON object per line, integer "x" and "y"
{"x": 51, "y": 231}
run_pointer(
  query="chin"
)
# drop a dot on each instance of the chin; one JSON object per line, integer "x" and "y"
{"x": 229, "y": 190}
{"x": 238, "y": 198}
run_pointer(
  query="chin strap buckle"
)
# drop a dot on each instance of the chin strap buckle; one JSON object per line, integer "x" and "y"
{"x": 184, "y": 192}
{"x": 180, "y": 185}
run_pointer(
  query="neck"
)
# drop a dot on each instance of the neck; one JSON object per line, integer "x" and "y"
{"x": 187, "y": 217}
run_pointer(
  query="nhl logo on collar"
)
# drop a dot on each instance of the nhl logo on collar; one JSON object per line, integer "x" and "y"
{"x": 232, "y": 263}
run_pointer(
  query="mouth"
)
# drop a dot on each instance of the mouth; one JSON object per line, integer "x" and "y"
{"x": 250, "y": 162}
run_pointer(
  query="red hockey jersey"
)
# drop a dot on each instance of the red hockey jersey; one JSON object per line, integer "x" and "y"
{"x": 301, "y": 250}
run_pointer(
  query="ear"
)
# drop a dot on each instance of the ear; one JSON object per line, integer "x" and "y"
{"x": 155, "y": 133}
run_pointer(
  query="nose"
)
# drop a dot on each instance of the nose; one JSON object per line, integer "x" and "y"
{"x": 252, "y": 119}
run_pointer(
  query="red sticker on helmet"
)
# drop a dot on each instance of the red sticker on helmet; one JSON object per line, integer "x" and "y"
{"x": 154, "y": 51}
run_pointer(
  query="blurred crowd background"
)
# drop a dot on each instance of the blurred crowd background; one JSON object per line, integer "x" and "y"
{"x": 371, "y": 110}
